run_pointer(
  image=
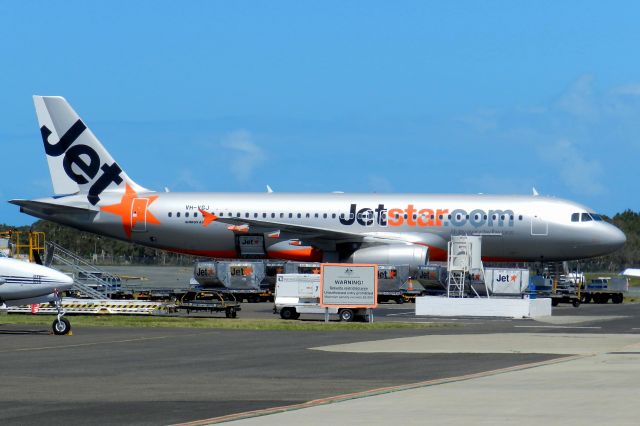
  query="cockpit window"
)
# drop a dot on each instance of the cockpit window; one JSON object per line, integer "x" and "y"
{"x": 575, "y": 217}
{"x": 596, "y": 217}
{"x": 586, "y": 217}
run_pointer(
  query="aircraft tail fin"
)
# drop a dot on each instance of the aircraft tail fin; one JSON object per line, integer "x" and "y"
{"x": 78, "y": 162}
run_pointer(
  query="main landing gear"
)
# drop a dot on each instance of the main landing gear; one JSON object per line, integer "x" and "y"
{"x": 60, "y": 326}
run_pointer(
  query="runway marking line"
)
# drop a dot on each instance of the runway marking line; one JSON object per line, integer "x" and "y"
{"x": 77, "y": 345}
{"x": 556, "y": 326}
{"x": 378, "y": 391}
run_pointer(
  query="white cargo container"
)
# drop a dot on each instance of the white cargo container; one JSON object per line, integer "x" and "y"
{"x": 506, "y": 282}
{"x": 300, "y": 294}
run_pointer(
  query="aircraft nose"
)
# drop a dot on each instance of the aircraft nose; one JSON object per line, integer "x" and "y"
{"x": 614, "y": 237}
{"x": 65, "y": 281}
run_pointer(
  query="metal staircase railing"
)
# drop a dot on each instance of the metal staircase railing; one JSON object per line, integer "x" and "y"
{"x": 87, "y": 278}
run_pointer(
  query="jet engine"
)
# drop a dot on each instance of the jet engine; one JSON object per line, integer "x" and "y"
{"x": 395, "y": 254}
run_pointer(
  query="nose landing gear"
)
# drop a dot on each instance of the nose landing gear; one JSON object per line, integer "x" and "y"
{"x": 60, "y": 326}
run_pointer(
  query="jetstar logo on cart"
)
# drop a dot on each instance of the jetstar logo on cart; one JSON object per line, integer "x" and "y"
{"x": 77, "y": 155}
{"x": 415, "y": 216}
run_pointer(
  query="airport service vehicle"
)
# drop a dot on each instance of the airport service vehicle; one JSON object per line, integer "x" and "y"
{"x": 300, "y": 294}
{"x": 603, "y": 289}
{"x": 94, "y": 194}
{"x": 24, "y": 283}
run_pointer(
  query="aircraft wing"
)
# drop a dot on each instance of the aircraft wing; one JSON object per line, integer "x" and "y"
{"x": 314, "y": 235}
{"x": 300, "y": 231}
{"x": 50, "y": 208}
{"x": 631, "y": 272}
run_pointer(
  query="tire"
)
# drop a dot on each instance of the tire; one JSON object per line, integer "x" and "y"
{"x": 617, "y": 298}
{"x": 288, "y": 313}
{"x": 61, "y": 327}
{"x": 575, "y": 303}
{"x": 586, "y": 298}
{"x": 400, "y": 300}
{"x": 554, "y": 302}
{"x": 346, "y": 315}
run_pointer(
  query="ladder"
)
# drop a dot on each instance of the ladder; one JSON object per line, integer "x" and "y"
{"x": 87, "y": 279}
{"x": 460, "y": 250}
{"x": 457, "y": 267}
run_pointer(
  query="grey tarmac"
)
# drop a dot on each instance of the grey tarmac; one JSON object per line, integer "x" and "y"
{"x": 162, "y": 376}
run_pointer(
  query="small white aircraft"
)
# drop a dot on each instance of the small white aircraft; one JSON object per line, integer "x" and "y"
{"x": 631, "y": 272}
{"x": 24, "y": 283}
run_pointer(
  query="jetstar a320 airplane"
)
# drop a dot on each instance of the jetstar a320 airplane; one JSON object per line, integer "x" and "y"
{"x": 94, "y": 194}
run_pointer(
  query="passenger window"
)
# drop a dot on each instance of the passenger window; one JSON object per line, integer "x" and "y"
{"x": 520, "y": 217}
{"x": 308, "y": 215}
{"x": 264, "y": 215}
{"x": 186, "y": 214}
{"x": 255, "y": 215}
{"x": 169, "y": 214}
{"x": 586, "y": 217}
{"x": 195, "y": 214}
{"x": 575, "y": 217}
{"x": 178, "y": 214}
{"x": 324, "y": 215}
{"x": 290, "y": 215}
{"x": 333, "y": 216}
{"x": 299, "y": 215}
{"x": 316, "y": 215}
{"x": 281, "y": 215}
{"x": 246, "y": 215}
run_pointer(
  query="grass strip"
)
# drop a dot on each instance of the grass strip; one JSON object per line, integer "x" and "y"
{"x": 215, "y": 323}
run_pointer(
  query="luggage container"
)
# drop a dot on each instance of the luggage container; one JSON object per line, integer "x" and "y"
{"x": 433, "y": 279}
{"x": 506, "y": 282}
{"x": 242, "y": 278}
{"x": 391, "y": 280}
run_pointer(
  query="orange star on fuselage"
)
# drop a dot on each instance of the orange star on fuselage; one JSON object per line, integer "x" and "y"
{"x": 125, "y": 209}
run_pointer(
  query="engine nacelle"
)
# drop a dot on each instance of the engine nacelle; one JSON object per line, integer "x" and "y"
{"x": 396, "y": 254}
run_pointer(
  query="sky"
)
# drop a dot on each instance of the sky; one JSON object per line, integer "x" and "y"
{"x": 320, "y": 96}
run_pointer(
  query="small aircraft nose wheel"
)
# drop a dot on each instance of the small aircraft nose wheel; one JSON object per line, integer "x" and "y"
{"x": 60, "y": 326}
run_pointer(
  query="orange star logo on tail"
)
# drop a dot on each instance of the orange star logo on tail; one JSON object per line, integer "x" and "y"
{"x": 132, "y": 212}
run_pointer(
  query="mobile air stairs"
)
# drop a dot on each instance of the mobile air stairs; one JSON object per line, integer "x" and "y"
{"x": 464, "y": 265}
{"x": 88, "y": 280}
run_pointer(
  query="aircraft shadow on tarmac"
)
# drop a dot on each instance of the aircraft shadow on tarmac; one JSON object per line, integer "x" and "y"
{"x": 13, "y": 331}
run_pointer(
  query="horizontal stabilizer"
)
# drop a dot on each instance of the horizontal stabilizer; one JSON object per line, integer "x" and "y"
{"x": 50, "y": 208}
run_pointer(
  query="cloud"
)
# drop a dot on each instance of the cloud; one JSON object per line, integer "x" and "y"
{"x": 380, "y": 184}
{"x": 580, "y": 174}
{"x": 580, "y": 99}
{"x": 246, "y": 157}
{"x": 187, "y": 180}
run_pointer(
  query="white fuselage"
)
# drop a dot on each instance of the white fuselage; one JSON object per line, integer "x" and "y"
{"x": 514, "y": 228}
{"x": 22, "y": 283}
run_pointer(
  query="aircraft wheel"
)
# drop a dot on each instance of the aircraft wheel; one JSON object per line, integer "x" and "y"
{"x": 61, "y": 327}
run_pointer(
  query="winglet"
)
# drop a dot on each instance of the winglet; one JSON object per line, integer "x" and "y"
{"x": 269, "y": 190}
{"x": 208, "y": 217}
{"x": 535, "y": 192}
